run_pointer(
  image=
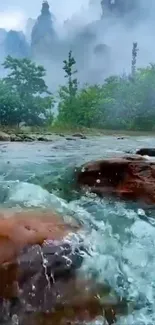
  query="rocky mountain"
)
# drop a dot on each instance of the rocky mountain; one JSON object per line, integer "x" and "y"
{"x": 119, "y": 7}
{"x": 43, "y": 34}
{"x": 15, "y": 44}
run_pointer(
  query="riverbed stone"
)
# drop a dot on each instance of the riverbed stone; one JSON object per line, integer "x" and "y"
{"x": 130, "y": 177}
{"x": 38, "y": 272}
{"x": 4, "y": 136}
{"x": 146, "y": 152}
{"x": 79, "y": 135}
{"x": 15, "y": 138}
{"x": 31, "y": 137}
{"x": 28, "y": 228}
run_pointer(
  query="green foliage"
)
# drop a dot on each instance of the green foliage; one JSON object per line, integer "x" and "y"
{"x": 10, "y": 105}
{"x": 134, "y": 58}
{"x": 22, "y": 93}
{"x": 78, "y": 107}
{"x": 68, "y": 94}
{"x": 69, "y": 70}
{"x": 122, "y": 103}
{"x": 25, "y": 76}
{"x": 89, "y": 101}
{"x": 132, "y": 102}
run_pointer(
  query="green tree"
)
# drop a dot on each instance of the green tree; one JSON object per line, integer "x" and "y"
{"x": 10, "y": 105}
{"x": 130, "y": 105}
{"x": 145, "y": 99}
{"x": 27, "y": 80}
{"x": 134, "y": 59}
{"x": 90, "y": 112}
{"x": 25, "y": 77}
{"x": 69, "y": 70}
{"x": 68, "y": 94}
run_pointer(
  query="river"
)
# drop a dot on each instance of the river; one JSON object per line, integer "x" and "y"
{"x": 123, "y": 243}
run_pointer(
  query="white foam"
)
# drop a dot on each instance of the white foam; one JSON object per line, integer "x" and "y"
{"x": 31, "y": 195}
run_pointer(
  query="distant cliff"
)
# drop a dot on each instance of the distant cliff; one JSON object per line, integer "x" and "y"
{"x": 42, "y": 44}
{"x": 118, "y": 7}
{"x": 28, "y": 29}
{"x": 43, "y": 33}
{"x": 15, "y": 44}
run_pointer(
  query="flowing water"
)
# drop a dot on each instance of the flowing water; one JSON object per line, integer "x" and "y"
{"x": 121, "y": 239}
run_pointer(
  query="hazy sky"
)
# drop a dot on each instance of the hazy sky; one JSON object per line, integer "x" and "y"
{"x": 117, "y": 33}
{"x": 13, "y": 13}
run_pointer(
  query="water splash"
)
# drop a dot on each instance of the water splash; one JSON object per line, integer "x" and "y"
{"x": 44, "y": 264}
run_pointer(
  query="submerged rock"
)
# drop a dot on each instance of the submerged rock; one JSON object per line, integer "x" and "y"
{"x": 130, "y": 177}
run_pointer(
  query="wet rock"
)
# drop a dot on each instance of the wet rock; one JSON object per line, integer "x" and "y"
{"x": 43, "y": 138}
{"x": 79, "y": 135}
{"x": 28, "y": 228}
{"x": 80, "y": 303}
{"x": 38, "y": 265}
{"x": 15, "y": 138}
{"x": 4, "y": 136}
{"x": 146, "y": 152}
{"x": 130, "y": 177}
{"x": 120, "y": 138}
{"x": 60, "y": 135}
{"x": 21, "y": 137}
{"x": 70, "y": 139}
{"x": 25, "y": 137}
{"x": 33, "y": 252}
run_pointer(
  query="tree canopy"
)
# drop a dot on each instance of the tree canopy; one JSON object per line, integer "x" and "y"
{"x": 23, "y": 92}
{"x": 124, "y": 102}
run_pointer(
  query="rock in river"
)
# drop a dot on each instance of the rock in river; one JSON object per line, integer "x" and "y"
{"x": 146, "y": 152}
{"x": 38, "y": 272}
{"x": 130, "y": 177}
{"x": 79, "y": 135}
{"x": 4, "y": 136}
{"x": 25, "y": 137}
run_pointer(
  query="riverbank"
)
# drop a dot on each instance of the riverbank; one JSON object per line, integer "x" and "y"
{"x": 30, "y": 134}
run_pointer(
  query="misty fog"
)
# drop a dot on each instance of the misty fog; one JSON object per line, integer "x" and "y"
{"x": 100, "y": 39}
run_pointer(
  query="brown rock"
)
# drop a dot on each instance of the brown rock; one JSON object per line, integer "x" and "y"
{"x": 80, "y": 303}
{"x": 38, "y": 278}
{"x": 20, "y": 229}
{"x": 130, "y": 177}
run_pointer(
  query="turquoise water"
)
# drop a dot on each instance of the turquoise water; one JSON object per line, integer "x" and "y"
{"x": 121, "y": 240}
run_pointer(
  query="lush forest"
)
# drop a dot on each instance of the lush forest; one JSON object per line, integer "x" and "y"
{"x": 124, "y": 102}
{"x": 119, "y": 102}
